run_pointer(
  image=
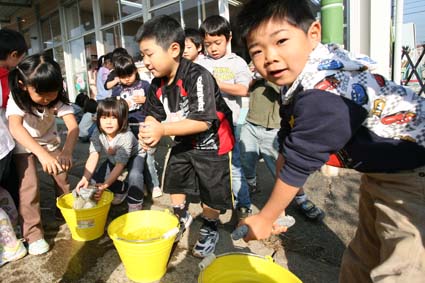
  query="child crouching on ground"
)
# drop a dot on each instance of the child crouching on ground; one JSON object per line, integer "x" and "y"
{"x": 186, "y": 98}
{"x": 334, "y": 109}
{"x": 113, "y": 137}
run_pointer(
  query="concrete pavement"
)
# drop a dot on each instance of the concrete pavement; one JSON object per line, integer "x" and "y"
{"x": 310, "y": 250}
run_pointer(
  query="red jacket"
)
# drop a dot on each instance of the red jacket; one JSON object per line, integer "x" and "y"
{"x": 4, "y": 87}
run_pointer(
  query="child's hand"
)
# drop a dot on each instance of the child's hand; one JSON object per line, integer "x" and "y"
{"x": 139, "y": 99}
{"x": 100, "y": 188}
{"x": 49, "y": 164}
{"x": 261, "y": 228}
{"x": 65, "y": 160}
{"x": 150, "y": 133}
{"x": 83, "y": 183}
{"x": 111, "y": 151}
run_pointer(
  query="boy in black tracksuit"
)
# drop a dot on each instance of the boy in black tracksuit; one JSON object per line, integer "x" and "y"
{"x": 185, "y": 97}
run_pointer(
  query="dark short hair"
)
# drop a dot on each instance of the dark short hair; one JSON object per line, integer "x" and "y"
{"x": 118, "y": 52}
{"x": 195, "y": 36}
{"x": 164, "y": 30}
{"x": 113, "y": 106}
{"x": 216, "y": 25}
{"x": 103, "y": 59}
{"x": 81, "y": 99}
{"x": 90, "y": 106}
{"x": 124, "y": 66}
{"x": 42, "y": 73}
{"x": 296, "y": 12}
{"x": 10, "y": 41}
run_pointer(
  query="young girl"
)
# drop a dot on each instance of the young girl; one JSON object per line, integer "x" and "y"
{"x": 103, "y": 69}
{"x": 38, "y": 97}
{"x": 123, "y": 152}
{"x": 134, "y": 90}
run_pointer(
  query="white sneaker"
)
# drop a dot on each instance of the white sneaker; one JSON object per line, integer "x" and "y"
{"x": 134, "y": 207}
{"x": 12, "y": 254}
{"x": 38, "y": 247}
{"x": 156, "y": 192}
{"x": 206, "y": 243}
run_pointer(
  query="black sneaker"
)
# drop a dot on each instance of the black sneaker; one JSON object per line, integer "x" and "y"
{"x": 311, "y": 211}
{"x": 243, "y": 212}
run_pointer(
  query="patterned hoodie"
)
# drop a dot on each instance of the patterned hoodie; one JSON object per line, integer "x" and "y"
{"x": 338, "y": 111}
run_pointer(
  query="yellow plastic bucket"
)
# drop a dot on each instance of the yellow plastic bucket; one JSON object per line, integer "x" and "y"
{"x": 85, "y": 224}
{"x": 243, "y": 268}
{"x": 144, "y": 240}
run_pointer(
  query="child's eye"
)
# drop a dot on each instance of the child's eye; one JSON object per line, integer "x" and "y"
{"x": 281, "y": 41}
{"x": 254, "y": 52}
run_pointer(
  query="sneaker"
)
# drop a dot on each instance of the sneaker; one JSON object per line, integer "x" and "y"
{"x": 243, "y": 212}
{"x": 134, "y": 207}
{"x": 206, "y": 243}
{"x": 184, "y": 224}
{"x": 12, "y": 254}
{"x": 156, "y": 192}
{"x": 38, "y": 247}
{"x": 311, "y": 211}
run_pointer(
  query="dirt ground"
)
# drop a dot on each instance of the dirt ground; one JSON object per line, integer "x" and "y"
{"x": 310, "y": 250}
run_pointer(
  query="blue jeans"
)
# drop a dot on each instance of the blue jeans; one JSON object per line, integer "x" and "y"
{"x": 150, "y": 172}
{"x": 256, "y": 142}
{"x": 239, "y": 184}
{"x": 134, "y": 179}
{"x": 152, "y": 180}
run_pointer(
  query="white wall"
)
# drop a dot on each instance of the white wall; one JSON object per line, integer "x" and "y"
{"x": 369, "y": 31}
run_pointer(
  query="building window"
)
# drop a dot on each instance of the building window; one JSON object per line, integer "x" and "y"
{"x": 109, "y": 11}
{"x": 82, "y": 9}
{"x": 129, "y": 31}
{"x": 111, "y": 38}
{"x": 51, "y": 31}
{"x": 129, "y": 7}
{"x": 195, "y": 11}
{"x": 172, "y": 10}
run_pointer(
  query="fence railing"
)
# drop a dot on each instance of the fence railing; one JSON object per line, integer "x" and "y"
{"x": 414, "y": 68}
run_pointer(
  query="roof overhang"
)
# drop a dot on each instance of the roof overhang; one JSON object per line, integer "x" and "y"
{"x": 8, "y": 8}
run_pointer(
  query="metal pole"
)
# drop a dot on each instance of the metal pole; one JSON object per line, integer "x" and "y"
{"x": 397, "y": 42}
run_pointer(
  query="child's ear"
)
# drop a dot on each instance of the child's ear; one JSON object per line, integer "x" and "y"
{"x": 314, "y": 33}
{"x": 174, "y": 49}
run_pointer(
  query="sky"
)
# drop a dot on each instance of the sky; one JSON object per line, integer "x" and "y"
{"x": 414, "y": 12}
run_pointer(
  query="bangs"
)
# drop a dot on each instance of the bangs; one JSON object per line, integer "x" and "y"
{"x": 108, "y": 110}
{"x": 46, "y": 78}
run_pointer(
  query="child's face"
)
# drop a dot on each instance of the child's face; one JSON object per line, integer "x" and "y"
{"x": 160, "y": 62}
{"x": 190, "y": 50}
{"x": 280, "y": 50}
{"x": 216, "y": 45}
{"x": 128, "y": 80}
{"x": 42, "y": 98}
{"x": 109, "y": 125}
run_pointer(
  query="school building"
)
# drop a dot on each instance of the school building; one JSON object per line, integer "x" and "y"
{"x": 77, "y": 32}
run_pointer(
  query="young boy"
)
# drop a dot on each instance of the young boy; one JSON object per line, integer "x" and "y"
{"x": 193, "y": 45}
{"x": 186, "y": 98}
{"x": 259, "y": 139}
{"x": 233, "y": 77}
{"x": 12, "y": 51}
{"x": 331, "y": 103}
